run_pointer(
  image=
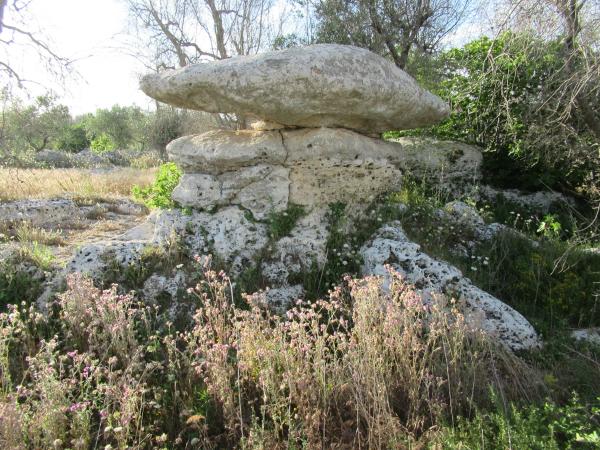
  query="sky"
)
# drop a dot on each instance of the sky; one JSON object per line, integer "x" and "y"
{"x": 94, "y": 34}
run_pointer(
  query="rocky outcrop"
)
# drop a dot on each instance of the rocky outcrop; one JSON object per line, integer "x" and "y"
{"x": 541, "y": 201}
{"x": 313, "y": 112}
{"x": 63, "y": 213}
{"x": 391, "y": 246}
{"x": 453, "y": 167}
{"x": 326, "y": 85}
{"x": 227, "y": 233}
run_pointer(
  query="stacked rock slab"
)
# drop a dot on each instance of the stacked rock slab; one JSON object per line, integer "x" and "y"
{"x": 315, "y": 108}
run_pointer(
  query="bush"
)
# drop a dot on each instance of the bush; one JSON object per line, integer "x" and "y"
{"x": 551, "y": 282}
{"x": 73, "y": 139}
{"x": 158, "y": 195}
{"x": 508, "y": 96}
{"x": 102, "y": 143}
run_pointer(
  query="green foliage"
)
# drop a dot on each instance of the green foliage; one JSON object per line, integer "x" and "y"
{"x": 282, "y": 223}
{"x": 550, "y": 426}
{"x": 73, "y": 139}
{"x": 164, "y": 126}
{"x": 550, "y": 282}
{"x": 550, "y": 227}
{"x": 287, "y": 41}
{"x": 27, "y": 129}
{"x": 17, "y": 286}
{"x": 553, "y": 283}
{"x": 501, "y": 92}
{"x": 158, "y": 195}
{"x": 343, "y": 244}
{"x": 102, "y": 143}
{"x": 38, "y": 254}
{"x": 124, "y": 126}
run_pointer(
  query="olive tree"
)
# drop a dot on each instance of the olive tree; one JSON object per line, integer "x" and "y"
{"x": 391, "y": 28}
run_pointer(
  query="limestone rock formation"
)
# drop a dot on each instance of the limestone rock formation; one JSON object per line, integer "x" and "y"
{"x": 390, "y": 245}
{"x": 326, "y": 85}
{"x": 265, "y": 171}
{"x": 313, "y": 112}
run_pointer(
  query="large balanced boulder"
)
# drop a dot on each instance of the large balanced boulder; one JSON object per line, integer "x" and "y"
{"x": 326, "y": 85}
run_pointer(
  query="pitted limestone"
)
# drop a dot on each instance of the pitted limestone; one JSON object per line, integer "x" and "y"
{"x": 325, "y": 85}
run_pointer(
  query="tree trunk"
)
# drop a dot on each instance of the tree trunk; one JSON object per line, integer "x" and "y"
{"x": 570, "y": 9}
{"x": 2, "y": 6}
{"x": 219, "y": 31}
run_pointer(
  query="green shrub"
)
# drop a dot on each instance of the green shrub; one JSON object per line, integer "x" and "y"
{"x": 510, "y": 95}
{"x": 548, "y": 281}
{"x": 158, "y": 195}
{"x": 553, "y": 283}
{"x": 102, "y": 143}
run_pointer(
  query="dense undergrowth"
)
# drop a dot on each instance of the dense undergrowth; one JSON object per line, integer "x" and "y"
{"x": 364, "y": 368}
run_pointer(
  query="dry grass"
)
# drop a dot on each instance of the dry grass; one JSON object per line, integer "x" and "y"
{"x": 19, "y": 184}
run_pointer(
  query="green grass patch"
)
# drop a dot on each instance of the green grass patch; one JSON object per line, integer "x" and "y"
{"x": 282, "y": 223}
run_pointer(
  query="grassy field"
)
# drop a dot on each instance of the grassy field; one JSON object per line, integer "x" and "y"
{"x": 20, "y": 184}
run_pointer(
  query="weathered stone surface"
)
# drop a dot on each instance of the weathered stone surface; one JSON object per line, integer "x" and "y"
{"x": 323, "y": 166}
{"x": 280, "y": 299}
{"x": 324, "y": 85}
{"x": 261, "y": 189}
{"x": 453, "y": 167}
{"x": 218, "y": 151}
{"x": 390, "y": 245}
{"x": 296, "y": 253}
{"x": 228, "y": 234}
{"x": 540, "y": 201}
{"x": 198, "y": 190}
{"x": 321, "y": 183}
{"x": 63, "y": 213}
{"x": 591, "y": 335}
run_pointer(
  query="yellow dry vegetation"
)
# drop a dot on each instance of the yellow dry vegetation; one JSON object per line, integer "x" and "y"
{"x": 19, "y": 184}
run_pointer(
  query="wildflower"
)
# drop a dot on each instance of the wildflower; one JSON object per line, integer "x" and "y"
{"x": 474, "y": 269}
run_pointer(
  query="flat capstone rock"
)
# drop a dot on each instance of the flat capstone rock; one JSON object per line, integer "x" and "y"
{"x": 324, "y": 85}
